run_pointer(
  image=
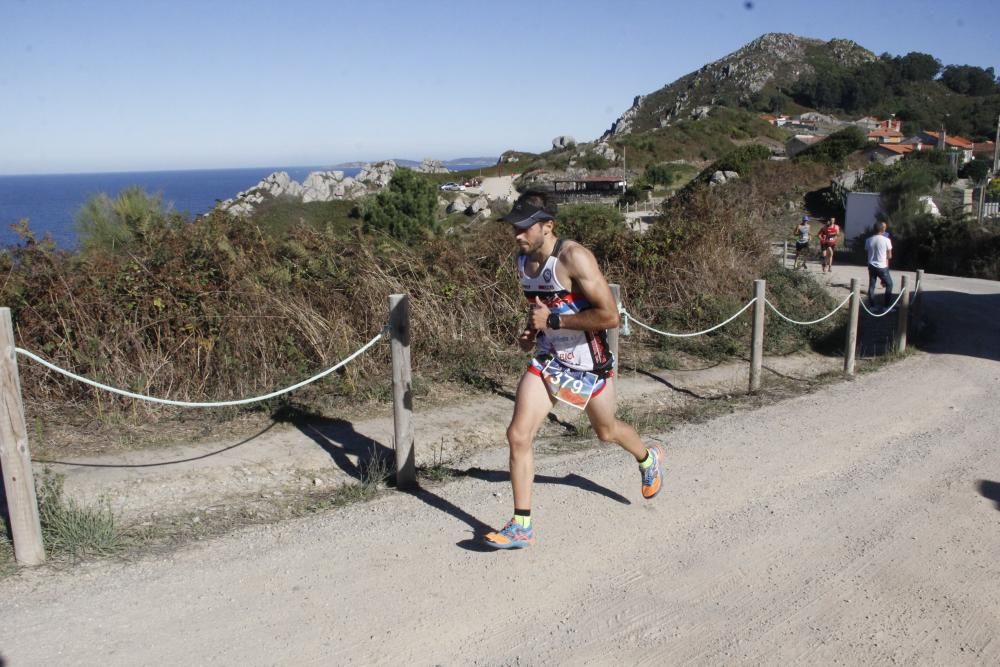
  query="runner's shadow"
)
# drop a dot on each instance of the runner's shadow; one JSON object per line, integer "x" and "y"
{"x": 479, "y": 528}
{"x": 572, "y": 479}
{"x": 990, "y": 491}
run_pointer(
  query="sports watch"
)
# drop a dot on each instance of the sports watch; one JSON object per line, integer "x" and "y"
{"x": 553, "y": 322}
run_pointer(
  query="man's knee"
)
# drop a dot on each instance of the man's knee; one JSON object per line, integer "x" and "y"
{"x": 519, "y": 439}
{"x": 607, "y": 432}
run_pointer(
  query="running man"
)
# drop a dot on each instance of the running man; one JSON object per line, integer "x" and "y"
{"x": 801, "y": 234}
{"x": 827, "y": 242}
{"x": 569, "y": 309}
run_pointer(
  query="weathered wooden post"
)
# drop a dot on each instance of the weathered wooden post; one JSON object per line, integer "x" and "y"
{"x": 15, "y": 458}
{"x": 904, "y": 316}
{"x": 757, "y": 338}
{"x": 402, "y": 391}
{"x": 616, "y": 291}
{"x": 851, "y": 344}
{"x": 916, "y": 302}
{"x": 784, "y": 254}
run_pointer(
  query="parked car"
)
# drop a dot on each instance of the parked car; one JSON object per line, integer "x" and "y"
{"x": 452, "y": 187}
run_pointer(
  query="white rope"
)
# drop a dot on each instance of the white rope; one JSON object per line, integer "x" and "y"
{"x": 788, "y": 319}
{"x": 696, "y": 333}
{"x": 884, "y": 312}
{"x": 189, "y": 404}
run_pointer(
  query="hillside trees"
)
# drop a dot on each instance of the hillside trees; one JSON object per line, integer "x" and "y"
{"x": 969, "y": 80}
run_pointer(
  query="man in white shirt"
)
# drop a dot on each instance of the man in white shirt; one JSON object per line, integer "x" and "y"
{"x": 879, "y": 249}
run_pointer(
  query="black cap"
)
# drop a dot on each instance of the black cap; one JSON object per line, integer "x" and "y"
{"x": 524, "y": 215}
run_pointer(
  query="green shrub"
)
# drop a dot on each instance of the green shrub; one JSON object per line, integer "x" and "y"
{"x": 114, "y": 223}
{"x": 406, "y": 210}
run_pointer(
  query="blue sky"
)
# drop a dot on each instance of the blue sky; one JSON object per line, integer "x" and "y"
{"x": 127, "y": 85}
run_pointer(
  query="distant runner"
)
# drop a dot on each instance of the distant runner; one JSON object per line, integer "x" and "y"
{"x": 570, "y": 307}
{"x": 801, "y": 233}
{"x": 827, "y": 242}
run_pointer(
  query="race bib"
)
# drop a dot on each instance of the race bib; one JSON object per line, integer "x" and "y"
{"x": 568, "y": 385}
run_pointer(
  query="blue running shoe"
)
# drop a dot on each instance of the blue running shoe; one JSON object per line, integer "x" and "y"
{"x": 511, "y": 536}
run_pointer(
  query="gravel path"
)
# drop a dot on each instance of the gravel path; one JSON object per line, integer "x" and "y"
{"x": 858, "y": 524}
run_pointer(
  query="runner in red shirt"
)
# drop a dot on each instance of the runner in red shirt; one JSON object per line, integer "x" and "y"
{"x": 828, "y": 236}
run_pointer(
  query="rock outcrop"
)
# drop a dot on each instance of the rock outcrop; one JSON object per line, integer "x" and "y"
{"x": 317, "y": 186}
{"x": 429, "y": 166}
{"x": 563, "y": 141}
{"x": 734, "y": 79}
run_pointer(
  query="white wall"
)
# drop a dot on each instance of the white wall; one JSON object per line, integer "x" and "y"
{"x": 862, "y": 212}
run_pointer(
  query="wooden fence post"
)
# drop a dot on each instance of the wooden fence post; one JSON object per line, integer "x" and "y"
{"x": 916, "y": 302}
{"x": 784, "y": 254}
{"x": 15, "y": 458}
{"x": 402, "y": 391}
{"x": 904, "y": 316}
{"x": 851, "y": 344}
{"x": 616, "y": 291}
{"x": 757, "y": 339}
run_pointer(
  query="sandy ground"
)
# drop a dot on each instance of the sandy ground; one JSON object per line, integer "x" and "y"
{"x": 497, "y": 187}
{"x": 858, "y": 524}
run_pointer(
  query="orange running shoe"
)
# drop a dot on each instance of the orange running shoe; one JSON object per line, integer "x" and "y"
{"x": 652, "y": 477}
{"x": 511, "y": 536}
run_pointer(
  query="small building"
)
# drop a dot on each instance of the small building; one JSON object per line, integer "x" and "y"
{"x": 984, "y": 150}
{"x": 886, "y": 136}
{"x": 587, "y": 187}
{"x": 954, "y": 143}
{"x": 889, "y": 153}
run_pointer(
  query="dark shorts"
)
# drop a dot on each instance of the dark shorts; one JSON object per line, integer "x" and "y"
{"x": 801, "y": 245}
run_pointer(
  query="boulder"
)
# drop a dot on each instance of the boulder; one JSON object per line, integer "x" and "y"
{"x": 603, "y": 149}
{"x": 563, "y": 141}
{"x": 377, "y": 175}
{"x": 432, "y": 167}
{"x": 722, "y": 177}
{"x": 458, "y": 205}
{"x": 323, "y": 186}
{"x": 478, "y": 205}
{"x": 700, "y": 112}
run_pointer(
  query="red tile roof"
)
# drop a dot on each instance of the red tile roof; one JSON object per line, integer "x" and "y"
{"x": 898, "y": 149}
{"x": 952, "y": 140}
{"x": 984, "y": 147}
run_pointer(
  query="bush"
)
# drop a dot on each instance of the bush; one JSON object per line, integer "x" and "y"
{"x": 406, "y": 210}
{"x": 114, "y": 224}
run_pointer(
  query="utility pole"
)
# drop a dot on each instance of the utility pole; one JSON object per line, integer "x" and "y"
{"x": 624, "y": 177}
{"x": 996, "y": 150}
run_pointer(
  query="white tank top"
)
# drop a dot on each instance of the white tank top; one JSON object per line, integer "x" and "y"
{"x": 581, "y": 350}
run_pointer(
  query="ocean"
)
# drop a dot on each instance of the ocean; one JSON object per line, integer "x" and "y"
{"x": 50, "y": 202}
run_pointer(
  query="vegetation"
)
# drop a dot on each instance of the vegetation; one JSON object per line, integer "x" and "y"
{"x": 406, "y": 210}
{"x": 965, "y": 99}
{"x": 945, "y": 243}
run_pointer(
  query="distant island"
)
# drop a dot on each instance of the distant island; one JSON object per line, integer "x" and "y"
{"x": 402, "y": 162}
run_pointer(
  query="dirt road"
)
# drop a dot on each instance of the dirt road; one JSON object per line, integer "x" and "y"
{"x": 858, "y": 524}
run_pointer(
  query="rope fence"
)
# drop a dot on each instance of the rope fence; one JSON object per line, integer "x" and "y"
{"x": 631, "y": 318}
{"x": 15, "y": 456}
{"x": 201, "y": 404}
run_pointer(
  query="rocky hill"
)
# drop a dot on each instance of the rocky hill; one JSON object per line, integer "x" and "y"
{"x": 760, "y": 67}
